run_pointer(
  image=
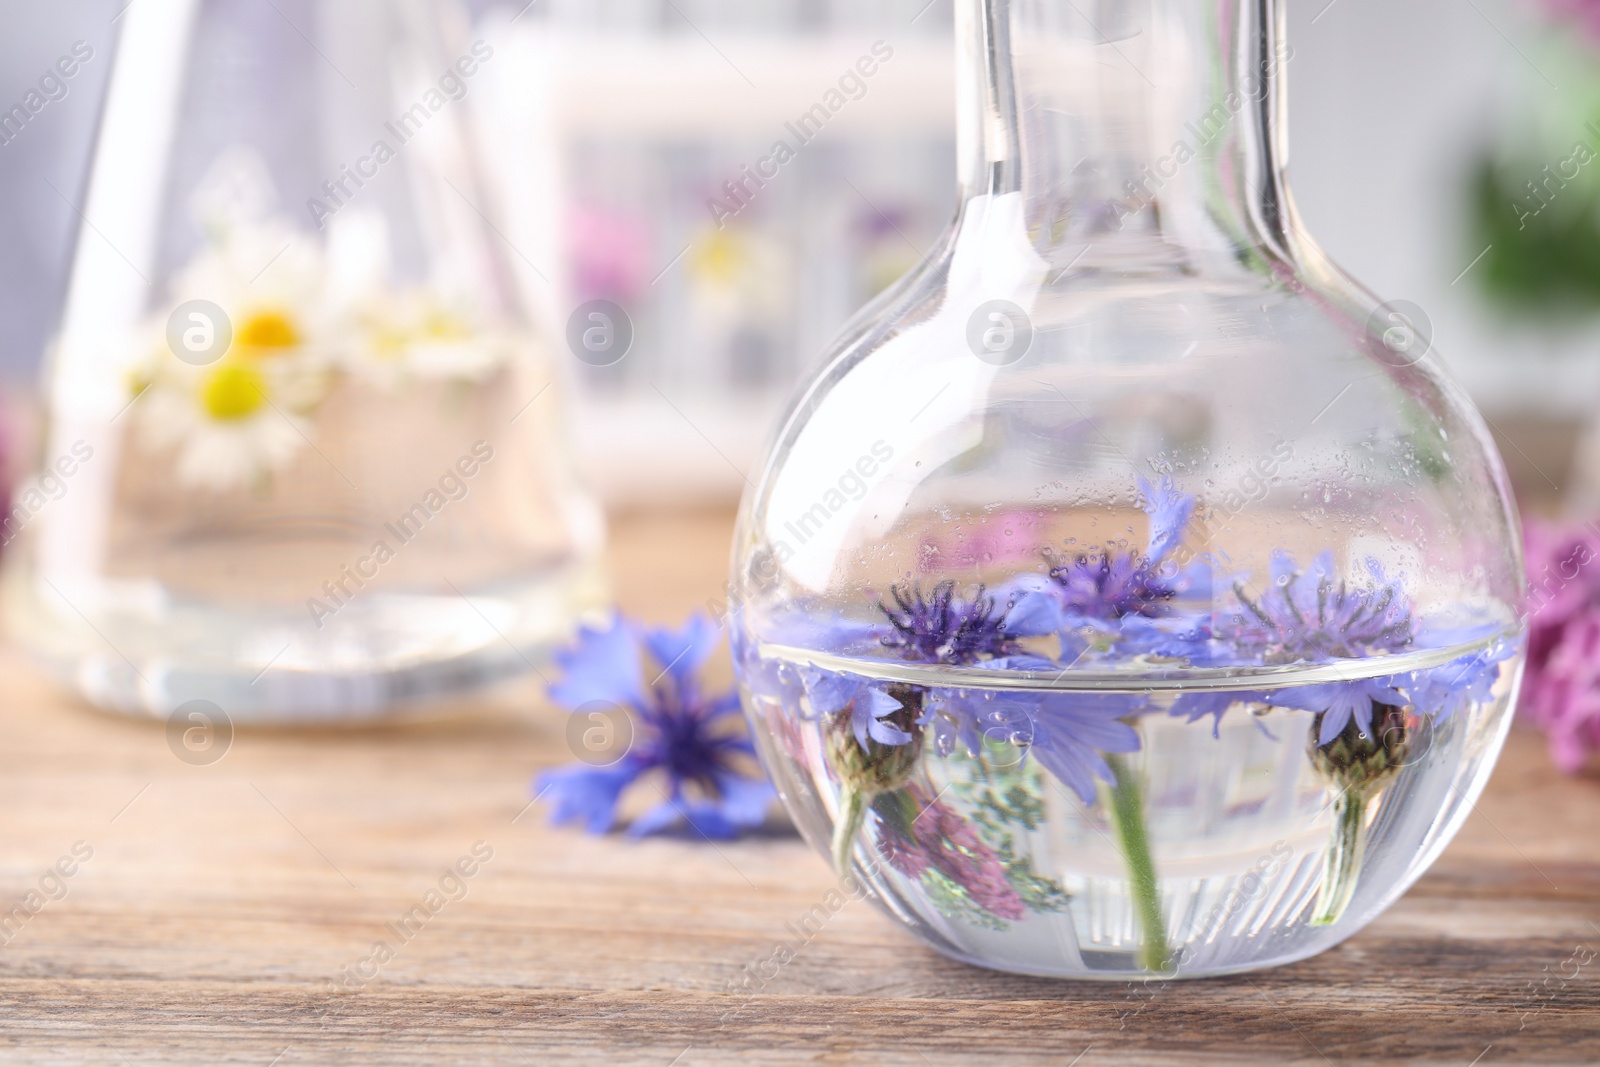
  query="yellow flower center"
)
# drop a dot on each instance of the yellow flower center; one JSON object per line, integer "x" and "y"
{"x": 266, "y": 333}
{"x": 232, "y": 392}
{"x": 389, "y": 342}
{"x": 719, "y": 257}
{"x": 443, "y": 326}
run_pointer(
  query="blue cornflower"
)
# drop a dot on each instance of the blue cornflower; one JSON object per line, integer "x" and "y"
{"x": 961, "y": 632}
{"x": 1066, "y": 732}
{"x": 943, "y": 628}
{"x": 1362, "y": 733}
{"x": 1458, "y": 685}
{"x": 1121, "y": 601}
{"x": 1306, "y": 616}
{"x": 1107, "y": 585}
{"x": 936, "y": 627}
{"x": 707, "y": 767}
{"x": 1339, "y": 702}
{"x": 870, "y": 707}
{"x": 876, "y": 731}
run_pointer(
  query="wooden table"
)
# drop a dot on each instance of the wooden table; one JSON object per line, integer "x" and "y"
{"x": 221, "y": 902}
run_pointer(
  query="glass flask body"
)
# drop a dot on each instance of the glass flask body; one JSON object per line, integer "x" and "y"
{"x": 1128, "y": 592}
{"x": 304, "y": 459}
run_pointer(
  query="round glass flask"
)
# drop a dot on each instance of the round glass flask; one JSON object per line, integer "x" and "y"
{"x": 1128, "y": 591}
{"x": 303, "y": 459}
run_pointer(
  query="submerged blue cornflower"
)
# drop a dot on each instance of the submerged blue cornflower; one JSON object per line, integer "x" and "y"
{"x": 939, "y": 627}
{"x": 1308, "y": 616}
{"x": 1458, "y": 685}
{"x": 1121, "y": 602}
{"x": 943, "y": 628}
{"x": 1065, "y": 732}
{"x": 709, "y": 779}
{"x": 870, "y": 707}
{"x": 1339, "y": 702}
{"x": 1106, "y": 586}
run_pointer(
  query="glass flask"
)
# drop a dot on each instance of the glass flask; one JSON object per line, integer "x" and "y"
{"x": 304, "y": 458}
{"x": 1128, "y": 592}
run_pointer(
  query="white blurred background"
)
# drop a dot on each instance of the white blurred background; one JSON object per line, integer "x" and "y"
{"x": 619, "y": 119}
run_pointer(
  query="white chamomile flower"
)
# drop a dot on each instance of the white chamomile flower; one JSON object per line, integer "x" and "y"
{"x": 736, "y": 273}
{"x": 239, "y": 415}
{"x": 270, "y": 282}
{"x": 418, "y": 336}
{"x": 232, "y": 423}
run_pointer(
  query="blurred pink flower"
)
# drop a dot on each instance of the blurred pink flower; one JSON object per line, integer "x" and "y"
{"x": 1562, "y": 690}
{"x": 938, "y": 838}
{"x": 609, "y": 252}
{"x": 1585, "y": 13}
{"x": 1007, "y": 537}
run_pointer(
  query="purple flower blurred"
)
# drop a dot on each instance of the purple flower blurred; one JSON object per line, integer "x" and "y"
{"x": 1008, "y": 536}
{"x": 609, "y": 252}
{"x": 678, "y": 730}
{"x": 1562, "y": 692}
{"x": 919, "y": 833}
{"x": 1586, "y": 13}
{"x": 1458, "y": 685}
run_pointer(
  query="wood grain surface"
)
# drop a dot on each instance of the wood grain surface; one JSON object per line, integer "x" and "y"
{"x": 226, "y": 908}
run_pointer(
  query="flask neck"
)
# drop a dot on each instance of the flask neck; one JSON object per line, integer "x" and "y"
{"x": 1134, "y": 130}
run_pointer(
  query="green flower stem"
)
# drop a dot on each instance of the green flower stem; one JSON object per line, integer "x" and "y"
{"x": 852, "y": 814}
{"x": 868, "y": 769}
{"x": 1344, "y": 857}
{"x": 1127, "y": 820}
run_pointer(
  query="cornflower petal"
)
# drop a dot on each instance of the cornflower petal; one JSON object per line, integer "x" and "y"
{"x": 587, "y": 795}
{"x": 1066, "y": 733}
{"x": 1076, "y": 768}
{"x": 745, "y": 801}
{"x": 681, "y": 653}
{"x": 603, "y": 665}
{"x": 1035, "y": 613}
{"x": 828, "y": 692}
{"x": 1170, "y": 511}
{"x": 660, "y": 817}
{"x": 1192, "y": 707}
{"x": 959, "y": 715}
{"x": 1445, "y": 691}
{"x": 866, "y": 718}
{"x": 1094, "y": 720}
